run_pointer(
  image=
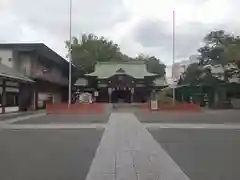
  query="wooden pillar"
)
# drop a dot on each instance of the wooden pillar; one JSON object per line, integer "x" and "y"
{"x": 4, "y": 98}
{"x": 36, "y": 97}
{"x": 34, "y": 102}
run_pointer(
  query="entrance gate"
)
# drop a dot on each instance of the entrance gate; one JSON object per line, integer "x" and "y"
{"x": 120, "y": 95}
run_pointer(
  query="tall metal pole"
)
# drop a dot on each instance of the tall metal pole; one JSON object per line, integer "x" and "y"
{"x": 173, "y": 56}
{"x": 70, "y": 56}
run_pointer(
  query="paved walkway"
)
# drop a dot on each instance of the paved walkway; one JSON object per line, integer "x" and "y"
{"x": 127, "y": 151}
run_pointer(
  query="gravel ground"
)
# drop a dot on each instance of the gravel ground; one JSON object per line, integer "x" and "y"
{"x": 203, "y": 154}
{"x": 47, "y": 154}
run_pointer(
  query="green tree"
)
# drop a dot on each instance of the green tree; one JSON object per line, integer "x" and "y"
{"x": 153, "y": 64}
{"x": 232, "y": 53}
{"x": 220, "y": 48}
{"x": 191, "y": 75}
{"x": 216, "y": 43}
{"x": 90, "y": 49}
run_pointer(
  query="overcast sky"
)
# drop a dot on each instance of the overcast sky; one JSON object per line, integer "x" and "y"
{"x": 138, "y": 26}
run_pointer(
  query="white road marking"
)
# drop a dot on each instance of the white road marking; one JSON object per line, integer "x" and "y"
{"x": 22, "y": 118}
{"x": 128, "y": 151}
{"x": 191, "y": 126}
{"x": 51, "y": 126}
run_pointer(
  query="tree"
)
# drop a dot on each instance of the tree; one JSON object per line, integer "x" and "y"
{"x": 90, "y": 49}
{"x": 216, "y": 43}
{"x": 153, "y": 64}
{"x": 220, "y": 48}
{"x": 232, "y": 54}
{"x": 191, "y": 75}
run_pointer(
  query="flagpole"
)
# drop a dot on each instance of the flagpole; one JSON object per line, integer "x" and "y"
{"x": 70, "y": 56}
{"x": 173, "y": 56}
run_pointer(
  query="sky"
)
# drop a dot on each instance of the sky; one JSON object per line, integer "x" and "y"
{"x": 138, "y": 26}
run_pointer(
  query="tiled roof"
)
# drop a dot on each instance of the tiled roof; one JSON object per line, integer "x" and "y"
{"x": 161, "y": 81}
{"x": 136, "y": 69}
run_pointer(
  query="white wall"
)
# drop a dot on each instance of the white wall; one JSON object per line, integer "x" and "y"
{"x": 5, "y": 55}
{"x": 11, "y": 109}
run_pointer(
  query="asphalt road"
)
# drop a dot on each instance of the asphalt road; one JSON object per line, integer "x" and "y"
{"x": 47, "y": 154}
{"x": 211, "y": 117}
{"x": 203, "y": 154}
{"x": 70, "y": 119}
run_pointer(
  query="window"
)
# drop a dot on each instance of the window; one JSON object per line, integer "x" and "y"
{"x": 11, "y": 99}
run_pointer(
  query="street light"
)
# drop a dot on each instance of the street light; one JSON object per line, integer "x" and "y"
{"x": 70, "y": 56}
{"x": 173, "y": 55}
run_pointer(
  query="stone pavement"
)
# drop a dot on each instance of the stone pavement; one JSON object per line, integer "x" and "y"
{"x": 127, "y": 151}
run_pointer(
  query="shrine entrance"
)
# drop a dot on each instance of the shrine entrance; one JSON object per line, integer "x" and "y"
{"x": 121, "y": 96}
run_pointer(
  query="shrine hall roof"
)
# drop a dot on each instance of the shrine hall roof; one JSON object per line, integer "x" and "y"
{"x": 136, "y": 69}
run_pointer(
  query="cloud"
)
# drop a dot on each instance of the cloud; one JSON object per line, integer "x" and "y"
{"x": 87, "y": 16}
{"x": 157, "y": 35}
{"x": 138, "y": 26}
{"x": 194, "y": 19}
{"x": 48, "y": 21}
{"x": 152, "y": 33}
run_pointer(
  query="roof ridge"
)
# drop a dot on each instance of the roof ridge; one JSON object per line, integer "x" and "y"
{"x": 123, "y": 62}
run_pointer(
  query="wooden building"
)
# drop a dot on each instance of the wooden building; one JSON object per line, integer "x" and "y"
{"x": 45, "y": 67}
{"x": 120, "y": 82}
{"x": 13, "y": 86}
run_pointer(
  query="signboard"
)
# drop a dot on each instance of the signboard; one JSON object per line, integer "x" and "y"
{"x": 154, "y": 105}
{"x": 102, "y": 85}
{"x": 11, "y": 89}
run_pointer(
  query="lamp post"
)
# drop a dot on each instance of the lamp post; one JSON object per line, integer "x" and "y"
{"x": 70, "y": 55}
{"x": 173, "y": 55}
